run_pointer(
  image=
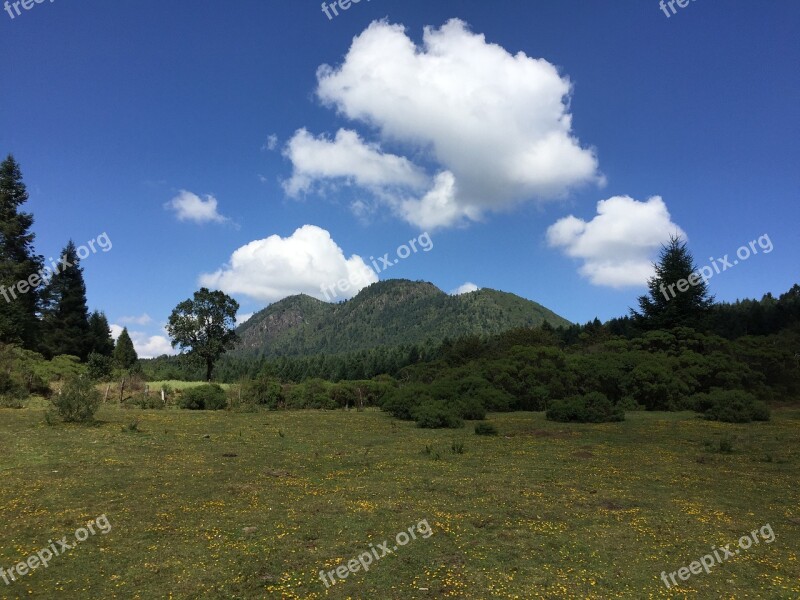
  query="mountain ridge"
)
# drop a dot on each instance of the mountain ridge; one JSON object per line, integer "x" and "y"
{"x": 387, "y": 313}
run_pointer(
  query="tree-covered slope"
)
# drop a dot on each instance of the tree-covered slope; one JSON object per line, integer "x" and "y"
{"x": 388, "y": 313}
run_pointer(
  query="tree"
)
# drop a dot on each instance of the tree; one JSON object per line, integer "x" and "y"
{"x": 100, "y": 334}
{"x": 20, "y": 268}
{"x": 204, "y": 325}
{"x": 65, "y": 316}
{"x": 124, "y": 353}
{"x": 678, "y": 296}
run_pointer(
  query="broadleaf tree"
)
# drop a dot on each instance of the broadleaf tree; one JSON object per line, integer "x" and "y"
{"x": 204, "y": 326}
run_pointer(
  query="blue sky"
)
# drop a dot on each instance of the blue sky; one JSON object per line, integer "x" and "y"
{"x": 497, "y": 133}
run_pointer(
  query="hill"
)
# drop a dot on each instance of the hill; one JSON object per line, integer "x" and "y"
{"x": 388, "y": 313}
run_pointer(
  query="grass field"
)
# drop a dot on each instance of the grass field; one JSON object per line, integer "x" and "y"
{"x": 234, "y": 505}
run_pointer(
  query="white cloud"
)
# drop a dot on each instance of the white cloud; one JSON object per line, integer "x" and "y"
{"x": 346, "y": 157}
{"x": 146, "y": 346}
{"x": 151, "y": 346}
{"x": 617, "y": 246}
{"x": 144, "y": 319}
{"x": 274, "y": 268}
{"x": 271, "y": 143}
{"x": 190, "y": 207}
{"x": 240, "y": 319}
{"x": 466, "y": 288}
{"x": 495, "y": 126}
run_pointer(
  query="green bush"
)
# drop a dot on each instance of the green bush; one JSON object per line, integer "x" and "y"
{"x": 485, "y": 429}
{"x": 436, "y": 415}
{"x": 732, "y": 406}
{"x": 99, "y": 366}
{"x": 78, "y": 400}
{"x": 151, "y": 401}
{"x": 593, "y": 407}
{"x": 402, "y": 402}
{"x": 263, "y": 391}
{"x": 204, "y": 397}
{"x": 12, "y": 392}
{"x": 311, "y": 394}
{"x": 470, "y": 409}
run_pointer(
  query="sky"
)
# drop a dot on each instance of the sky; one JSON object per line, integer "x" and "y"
{"x": 267, "y": 149}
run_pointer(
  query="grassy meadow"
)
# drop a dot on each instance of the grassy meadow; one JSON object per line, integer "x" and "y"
{"x": 236, "y": 505}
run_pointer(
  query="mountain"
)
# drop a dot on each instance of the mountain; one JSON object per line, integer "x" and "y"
{"x": 389, "y": 313}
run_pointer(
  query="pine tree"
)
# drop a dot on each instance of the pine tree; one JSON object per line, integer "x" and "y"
{"x": 19, "y": 267}
{"x": 678, "y": 297}
{"x": 100, "y": 333}
{"x": 125, "y": 355}
{"x": 65, "y": 316}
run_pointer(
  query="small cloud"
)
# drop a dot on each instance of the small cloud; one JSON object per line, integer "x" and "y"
{"x": 467, "y": 288}
{"x": 241, "y": 319}
{"x": 619, "y": 245}
{"x": 273, "y": 268}
{"x": 190, "y": 207}
{"x": 144, "y": 319}
{"x": 271, "y": 143}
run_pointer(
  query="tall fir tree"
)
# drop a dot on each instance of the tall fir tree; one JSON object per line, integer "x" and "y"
{"x": 100, "y": 333}
{"x": 65, "y": 316}
{"x": 677, "y": 296}
{"x": 19, "y": 322}
{"x": 124, "y": 353}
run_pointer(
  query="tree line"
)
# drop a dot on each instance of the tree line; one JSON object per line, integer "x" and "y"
{"x": 44, "y": 309}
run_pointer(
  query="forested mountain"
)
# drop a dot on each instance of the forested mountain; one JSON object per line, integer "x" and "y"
{"x": 388, "y": 313}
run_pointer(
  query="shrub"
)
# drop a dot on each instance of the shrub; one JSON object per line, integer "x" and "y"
{"x": 732, "y": 406}
{"x": 435, "y": 415}
{"x": 402, "y": 402}
{"x": 457, "y": 447}
{"x": 593, "y": 407}
{"x": 78, "y": 401}
{"x": 204, "y": 397}
{"x": 144, "y": 401}
{"x": 263, "y": 391}
{"x": 470, "y": 409}
{"x": 655, "y": 386}
{"x": 311, "y": 394}
{"x": 12, "y": 392}
{"x": 485, "y": 429}
{"x": 99, "y": 366}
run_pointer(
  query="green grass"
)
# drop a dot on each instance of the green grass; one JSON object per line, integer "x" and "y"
{"x": 544, "y": 510}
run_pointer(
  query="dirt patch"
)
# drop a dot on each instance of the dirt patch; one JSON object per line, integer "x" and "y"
{"x": 583, "y": 454}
